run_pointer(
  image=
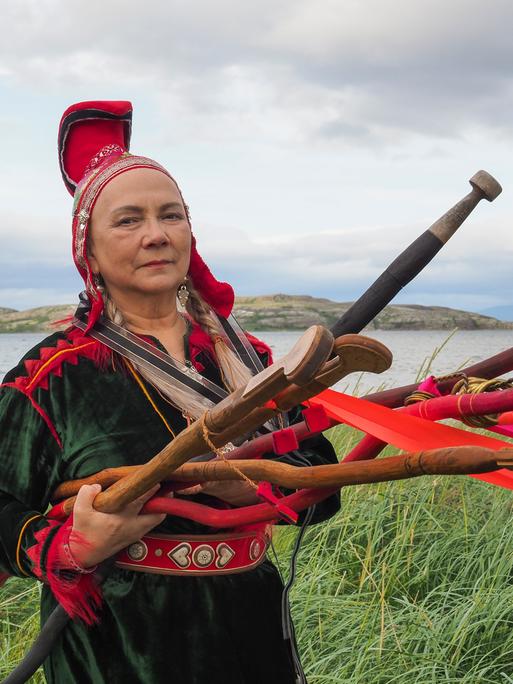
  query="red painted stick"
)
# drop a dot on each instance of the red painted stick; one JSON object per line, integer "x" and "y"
{"x": 439, "y": 408}
{"x": 493, "y": 367}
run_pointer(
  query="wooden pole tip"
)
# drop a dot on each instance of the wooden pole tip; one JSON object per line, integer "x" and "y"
{"x": 487, "y": 184}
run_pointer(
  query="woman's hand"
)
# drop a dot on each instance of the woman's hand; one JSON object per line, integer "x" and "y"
{"x": 234, "y": 492}
{"x": 96, "y": 536}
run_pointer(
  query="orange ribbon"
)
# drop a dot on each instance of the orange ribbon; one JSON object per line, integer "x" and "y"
{"x": 409, "y": 433}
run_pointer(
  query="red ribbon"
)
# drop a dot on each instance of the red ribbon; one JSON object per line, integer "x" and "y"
{"x": 407, "y": 432}
{"x": 381, "y": 424}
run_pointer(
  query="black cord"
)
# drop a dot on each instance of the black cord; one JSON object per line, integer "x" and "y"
{"x": 48, "y": 636}
{"x": 289, "y": 634}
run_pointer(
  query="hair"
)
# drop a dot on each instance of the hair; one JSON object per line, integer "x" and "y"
{"x": 234, "y": 373}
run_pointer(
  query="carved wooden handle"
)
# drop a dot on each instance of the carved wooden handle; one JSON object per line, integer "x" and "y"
{"x": 462, "y": 460}
{"x": 300, "y": 365}
{"x": 415, "y": 257}
{"x": 353, "y": 353}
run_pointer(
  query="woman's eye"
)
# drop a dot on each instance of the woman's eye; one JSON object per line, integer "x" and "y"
{"x": 127, "y": 221}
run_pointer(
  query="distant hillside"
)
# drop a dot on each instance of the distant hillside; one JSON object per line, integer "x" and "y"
{"x": 290, "y": 312}
{"x": 33, "y": 320}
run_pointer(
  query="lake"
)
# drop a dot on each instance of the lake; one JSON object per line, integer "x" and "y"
{"x": 411, "y": 350}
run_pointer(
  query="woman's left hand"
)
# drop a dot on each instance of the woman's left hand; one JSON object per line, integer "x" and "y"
{"x": 234, "y": 492}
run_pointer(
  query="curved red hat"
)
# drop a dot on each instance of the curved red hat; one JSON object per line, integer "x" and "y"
{"x": 94, "y": 142}
{"x": 85, "y": 129}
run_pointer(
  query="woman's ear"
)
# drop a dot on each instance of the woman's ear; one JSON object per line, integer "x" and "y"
{"x": 92, "y": 260}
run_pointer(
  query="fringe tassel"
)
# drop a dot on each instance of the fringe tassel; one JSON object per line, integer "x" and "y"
{"x": 77, "y": 593}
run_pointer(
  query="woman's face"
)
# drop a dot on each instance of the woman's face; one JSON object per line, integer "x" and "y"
{"x": 140, "y": 239}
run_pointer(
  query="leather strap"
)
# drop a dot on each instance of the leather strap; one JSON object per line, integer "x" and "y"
{"x": 209, "y": 554}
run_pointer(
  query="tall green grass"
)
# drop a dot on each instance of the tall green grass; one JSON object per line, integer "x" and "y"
{"x": 411, "y": 582}
{"x": 19, "y": 623}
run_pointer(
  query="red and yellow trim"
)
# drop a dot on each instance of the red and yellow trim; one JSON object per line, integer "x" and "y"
{"x": 48, "y": 363}
{"x": 20, "y": 537}
{"x": 148, "y": 397}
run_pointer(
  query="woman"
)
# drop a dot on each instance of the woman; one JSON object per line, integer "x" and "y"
{"x": 73, "y": 407}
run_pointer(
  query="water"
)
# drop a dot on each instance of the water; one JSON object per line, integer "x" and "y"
{"x": 410, "y": 350}
{"x": 13, "y": 346}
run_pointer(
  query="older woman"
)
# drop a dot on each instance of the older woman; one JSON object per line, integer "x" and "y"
{"x": 174, "y": 608}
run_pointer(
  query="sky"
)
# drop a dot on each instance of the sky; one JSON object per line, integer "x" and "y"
{"x": 312, "y": 139}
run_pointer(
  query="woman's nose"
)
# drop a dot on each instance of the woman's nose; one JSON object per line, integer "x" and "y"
{"x": 155, "y": 233}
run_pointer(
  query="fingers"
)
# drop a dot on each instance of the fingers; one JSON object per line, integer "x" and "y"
{"x": 85, "y": 497}
{"x": 190, "y": 491}
{"x": 151, "y": 520}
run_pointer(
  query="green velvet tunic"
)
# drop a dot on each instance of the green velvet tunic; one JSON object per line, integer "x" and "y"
{"x": 154, "y": 628}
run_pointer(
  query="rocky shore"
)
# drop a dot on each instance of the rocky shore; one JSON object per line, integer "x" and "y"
{"x": 289, "y": 312}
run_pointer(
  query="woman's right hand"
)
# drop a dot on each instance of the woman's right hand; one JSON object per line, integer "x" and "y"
{"x": 96, "y": 536}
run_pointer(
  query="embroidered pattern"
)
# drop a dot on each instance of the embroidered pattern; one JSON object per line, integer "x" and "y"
{"x": 101, "y": 156}
{"x": 50, "y": 363}
{"x": 102, "y": 176}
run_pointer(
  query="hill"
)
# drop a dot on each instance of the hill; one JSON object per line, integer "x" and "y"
{"x": 33, "y": 320}
{"x": 290, "y": 312}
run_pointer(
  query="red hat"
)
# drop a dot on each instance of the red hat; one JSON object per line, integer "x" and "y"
{"x": 94, "y": 139}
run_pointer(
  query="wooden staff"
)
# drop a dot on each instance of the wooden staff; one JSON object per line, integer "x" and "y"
{"x": 415, "y": 257}
{"x": 299, "y": 366}
{"x": 493, "y": 367}
{"x": 353, "y": 353}
{"x": 463, "y": 460}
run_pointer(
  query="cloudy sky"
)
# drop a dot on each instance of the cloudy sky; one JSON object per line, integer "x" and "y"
{"x": 313, "y": 139}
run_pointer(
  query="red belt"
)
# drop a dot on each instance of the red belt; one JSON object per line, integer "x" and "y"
{"x": 212, "y": 554}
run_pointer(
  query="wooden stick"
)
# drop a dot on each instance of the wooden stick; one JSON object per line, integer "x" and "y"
{"x": 299, "y": 366}
{"x": 415, "y": 257}
{"x": 450, "y": 461}
{"x": 353, "y": 353}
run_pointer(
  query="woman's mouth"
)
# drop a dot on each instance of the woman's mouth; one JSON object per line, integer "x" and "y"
{"x": 157, "y": 264}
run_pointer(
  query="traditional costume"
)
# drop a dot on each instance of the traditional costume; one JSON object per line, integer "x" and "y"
{"x": 185, "y": 604}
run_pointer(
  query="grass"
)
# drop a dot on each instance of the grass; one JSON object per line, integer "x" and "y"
{"x": 19, "y": 623}
{"x": 410, "y": 583}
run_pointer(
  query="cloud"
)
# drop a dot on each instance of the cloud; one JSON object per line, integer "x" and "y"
{"x": 325, "y": 129}
{"x": 338, "y": 264}
{"x": 31, "y": 297}
{"x": 342, "y": 264}
{"x": 340, "y": 71}
{"x": 34, "y": 239}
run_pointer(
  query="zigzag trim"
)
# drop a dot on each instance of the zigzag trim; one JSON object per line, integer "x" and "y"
{"x": 50, "y": 361}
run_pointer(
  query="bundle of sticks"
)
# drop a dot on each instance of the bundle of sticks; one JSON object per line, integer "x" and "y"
{"x": 316, "y": 362}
